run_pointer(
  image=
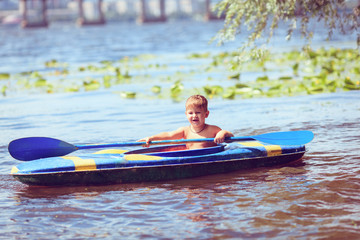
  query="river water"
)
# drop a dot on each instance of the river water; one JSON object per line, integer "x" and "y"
{"x": 316, "y": 198}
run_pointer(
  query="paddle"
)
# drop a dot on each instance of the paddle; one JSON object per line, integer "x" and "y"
{"x": 31, "y": 148}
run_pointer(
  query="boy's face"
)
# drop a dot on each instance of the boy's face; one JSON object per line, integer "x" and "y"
{"x": 196, "y": 115}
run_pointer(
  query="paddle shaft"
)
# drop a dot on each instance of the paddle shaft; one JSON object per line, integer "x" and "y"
{"x": 162, "y": 142}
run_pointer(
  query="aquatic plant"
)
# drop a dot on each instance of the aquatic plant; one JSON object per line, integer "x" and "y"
{"x": 314, "y": 71}
{"x": 212, "y": 91}
{"x": 156, "y": 89}
{"x": 129, "y": 95}
{"x": 4, "y": 76}
{"x": 280, "y": 74}
{"x": 176, "y": 89}
{"x": 91, "y": 85}
{"x": 3, "y": 90}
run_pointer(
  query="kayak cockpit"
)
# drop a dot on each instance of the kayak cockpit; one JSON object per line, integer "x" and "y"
{"x": 177, "y": 151}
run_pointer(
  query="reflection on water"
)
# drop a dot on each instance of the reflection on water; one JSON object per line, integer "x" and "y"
{"x": 317, "y": 197}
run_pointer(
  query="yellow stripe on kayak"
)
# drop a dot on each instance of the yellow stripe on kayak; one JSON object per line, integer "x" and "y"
{"x": 139, "y": 157}
{"x": 272, "y": 150}
{"x": 111, "y": 151}
{"x": 14, "y": 170}
{"x": 252, "y": 144}
{"x": 82, "y": 164}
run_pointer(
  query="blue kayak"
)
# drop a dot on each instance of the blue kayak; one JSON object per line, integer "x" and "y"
{"x": 114, "y": 166}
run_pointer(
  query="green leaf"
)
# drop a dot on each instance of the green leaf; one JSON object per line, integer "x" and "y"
{"x": 277, "y": 87}
{"x": 262, "y": 79}
{"x": 230, "y": 94}
{"x": 129, "y": 95}
{"x": 349, "y": 82}
{"x": 40, "y": 82}
{"x": 356, "y": 70}
{"x": 285, "y": 78}
{"x": 3, "y": 90}
{"x": 241, "y": 85}
{"x": 35, "y": 75}
{"x": 91, "y": 85}
{"x": 351, "y": 85}
{"x": 51, "y": 63}
{"x": 72, "y": 89}
{"x": 4, "y": 76}
{"x": 107, "y": 81}
{"x": 213, "y": 90}
{"x": 176, "y": 89}
{"x": 199, "y": 55}
{"x": 156, "y": 89}
{"x": 295, "y": 68}
{"x": 316, "y": 89}
{"x": 235, "y": 76}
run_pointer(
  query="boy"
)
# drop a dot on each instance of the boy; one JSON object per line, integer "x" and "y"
{"x": 196, "y": 111}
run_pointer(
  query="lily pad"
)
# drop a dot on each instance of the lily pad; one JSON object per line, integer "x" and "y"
{"x": 261, "y": 79}
{"x": 156, "y": 89}
{"x": 91, "y": 85}
{"x": 230, "y": 94}
{"x": 3, "y": 90}
{"x": 129, "y": 95}
{"x": 176, "y": 89}
{"x": 4, "y": 76}
{"x": 40, "y": 82}
{"x": 213, "y": 90}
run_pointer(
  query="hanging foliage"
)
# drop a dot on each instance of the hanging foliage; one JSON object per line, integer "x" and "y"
{"x": 262, "y": 18}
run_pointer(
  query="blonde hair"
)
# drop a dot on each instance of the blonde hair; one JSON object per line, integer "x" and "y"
{"x": 197, "y": 101}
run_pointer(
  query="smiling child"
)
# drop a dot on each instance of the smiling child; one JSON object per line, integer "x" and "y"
{"x": 196, "y": 110}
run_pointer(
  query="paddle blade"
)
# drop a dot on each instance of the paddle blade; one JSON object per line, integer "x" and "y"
{"x": 286, "y": 138}
{"x": 31, "y": 148}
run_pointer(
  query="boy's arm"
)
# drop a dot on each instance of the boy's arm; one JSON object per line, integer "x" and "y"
{"x": 177, "y": 134}
{"x": 221, "y": 135}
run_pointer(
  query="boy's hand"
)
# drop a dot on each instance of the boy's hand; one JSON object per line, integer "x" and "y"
{"x": 221, "y": 135}
{"x": 146, "y": 140}
{"x": 219, "y": 138}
